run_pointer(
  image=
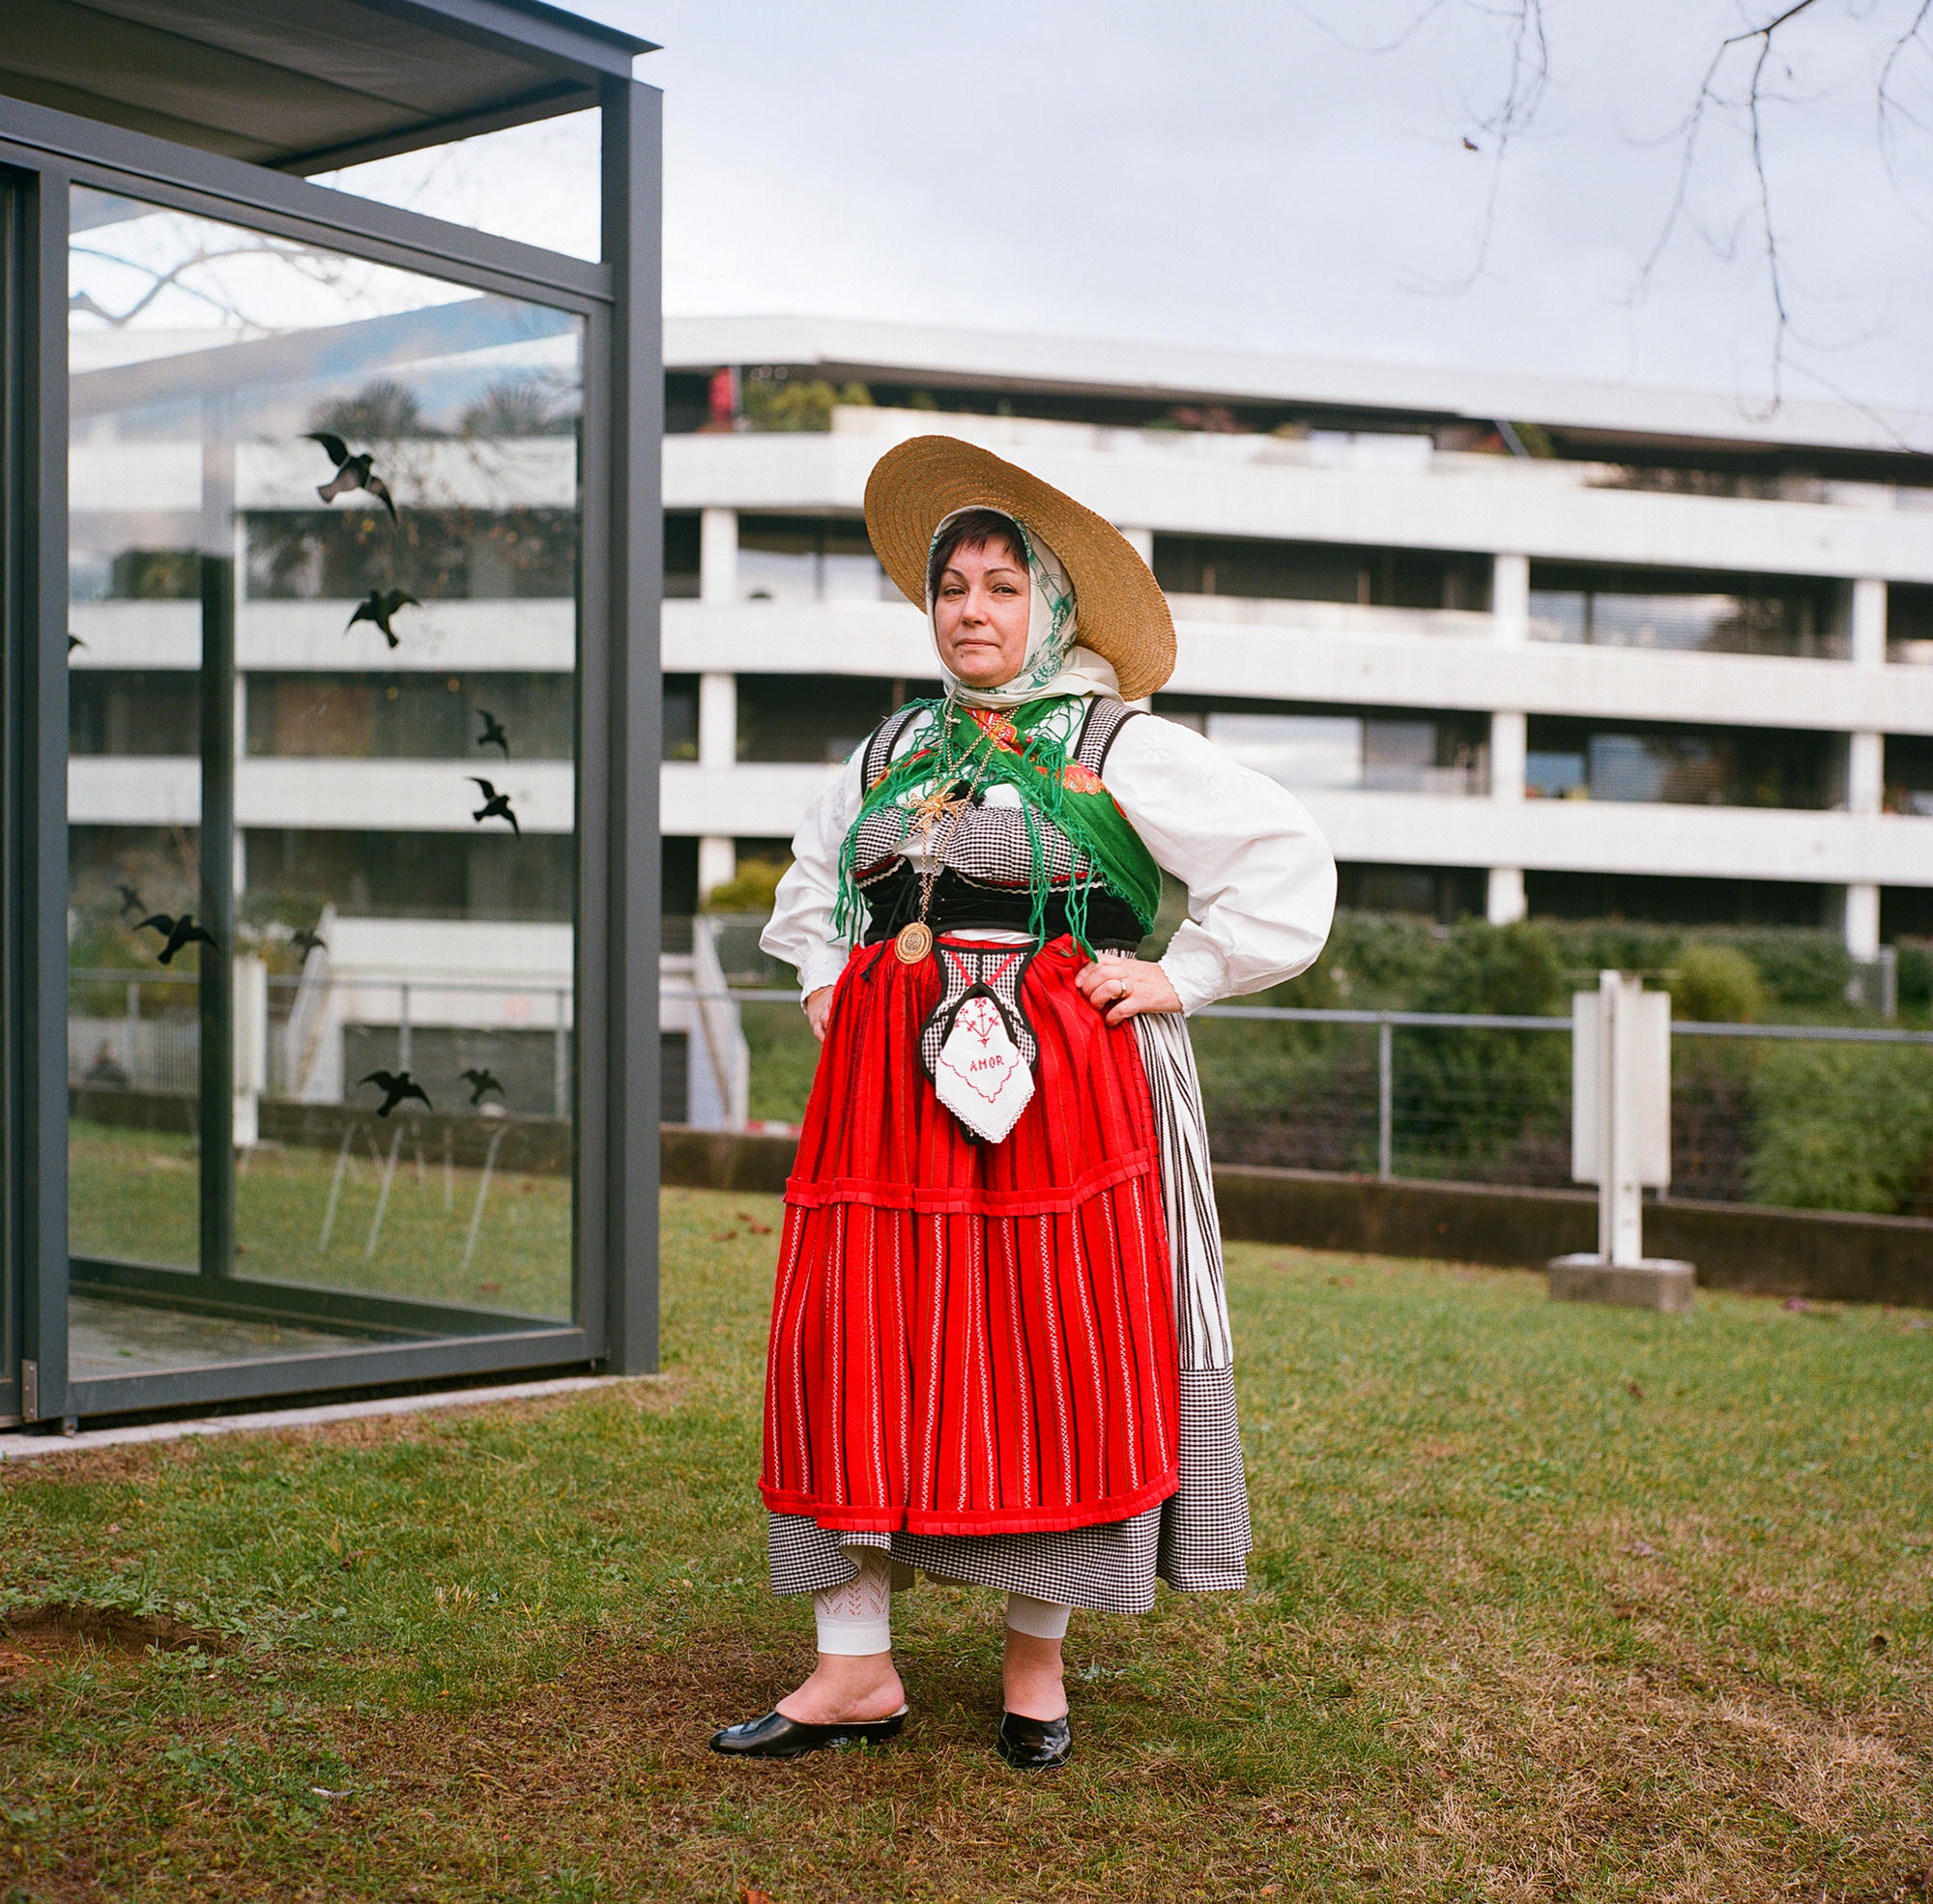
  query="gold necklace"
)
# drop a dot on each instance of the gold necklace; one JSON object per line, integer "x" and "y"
{"x": 914, "y": 939}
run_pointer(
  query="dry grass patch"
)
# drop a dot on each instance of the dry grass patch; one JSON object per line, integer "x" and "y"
{"x": 1548, "y": 1603}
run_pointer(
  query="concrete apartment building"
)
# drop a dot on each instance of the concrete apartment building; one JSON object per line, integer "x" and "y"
{"x": 1562, "y": 650}
{"x": 1523, "y": 647}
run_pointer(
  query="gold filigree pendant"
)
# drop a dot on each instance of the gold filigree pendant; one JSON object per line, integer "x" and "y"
{"x": 913, "y": 943}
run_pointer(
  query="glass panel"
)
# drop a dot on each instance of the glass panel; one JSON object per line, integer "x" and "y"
{"x": 804, "y": 559}
{"x": 1298, "y": 750}
{"x": 1676, "y": 610}
{"x": 537, "y": 184}
{"x": 325, "y": 542}
{"x": 12, "y": 468}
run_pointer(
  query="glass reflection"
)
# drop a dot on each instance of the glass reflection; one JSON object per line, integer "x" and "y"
{"x": 325, "y": 541}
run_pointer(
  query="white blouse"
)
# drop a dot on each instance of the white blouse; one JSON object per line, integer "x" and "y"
{"x": 1260, "y": 879}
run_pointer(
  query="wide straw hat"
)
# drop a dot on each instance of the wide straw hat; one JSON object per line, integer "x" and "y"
{"x": 1120, "y": 611}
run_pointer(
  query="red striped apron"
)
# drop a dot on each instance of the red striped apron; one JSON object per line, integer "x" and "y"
{"x": 971, "y": 1338}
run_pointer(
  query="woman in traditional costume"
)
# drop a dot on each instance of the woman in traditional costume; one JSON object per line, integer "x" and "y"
{"x": 1000, "y": 1349}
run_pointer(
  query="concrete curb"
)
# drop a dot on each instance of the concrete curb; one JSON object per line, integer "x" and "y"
{"x": 1827, "y": 1256}
{"x": 35, "y": 1447}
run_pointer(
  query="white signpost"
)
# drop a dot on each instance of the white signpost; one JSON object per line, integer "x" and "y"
{"x": 1621, "y": 1140}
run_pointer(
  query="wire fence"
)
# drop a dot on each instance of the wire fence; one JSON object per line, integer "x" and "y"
{"x": 1810, "y": 1116}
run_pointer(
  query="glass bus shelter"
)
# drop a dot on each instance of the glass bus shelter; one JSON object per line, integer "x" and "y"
{"x": 329, "y": 573}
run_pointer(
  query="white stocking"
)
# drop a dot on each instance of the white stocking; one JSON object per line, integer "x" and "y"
{"x": 1038, "y": 1619}
{"x": 858, "y": 1617}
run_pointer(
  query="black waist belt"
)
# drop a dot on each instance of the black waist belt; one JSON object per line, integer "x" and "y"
{"x": 960, "y": 905}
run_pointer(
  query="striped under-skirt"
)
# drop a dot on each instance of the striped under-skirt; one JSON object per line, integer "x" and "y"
{"x": 1007, "y": 1364}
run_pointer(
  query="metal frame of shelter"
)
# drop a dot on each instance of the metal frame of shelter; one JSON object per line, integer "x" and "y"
{"x": 42, "y": 153}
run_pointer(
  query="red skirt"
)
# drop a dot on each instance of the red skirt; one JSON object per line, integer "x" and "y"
{"x": 971, "y": 1338}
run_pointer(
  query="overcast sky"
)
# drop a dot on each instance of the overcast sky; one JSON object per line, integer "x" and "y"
{"x": 1235, "y": 173}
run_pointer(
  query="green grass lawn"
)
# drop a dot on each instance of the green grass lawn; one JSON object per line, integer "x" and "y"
{"x": 1548, "y": 1602}
{"x": 135, "y": 1194}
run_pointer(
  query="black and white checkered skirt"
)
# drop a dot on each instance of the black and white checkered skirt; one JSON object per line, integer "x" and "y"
{"x": 1197, "y": 1539}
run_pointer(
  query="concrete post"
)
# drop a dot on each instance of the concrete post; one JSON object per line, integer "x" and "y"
{"x": 717, "y": 720}
{"x": 1621, "y": 1140}
{"x": 250, "y": 1048}
{"x": 1510, "y": 626}
{"x": 1868, "y": 624}
{"x": 718, "y": 863}
{"x": 1505, "y": 903}
{"x": 1509, "y": 600}
{"x": 1865, "y": 791}
{"x": 1862, "y": 920}
{"x": 718, "y": 556}
{"x": 717, "y": 747}
{"x": 1865, "y": 763}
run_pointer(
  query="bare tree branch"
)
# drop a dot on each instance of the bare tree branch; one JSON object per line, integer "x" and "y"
{"x": 1755, "y": 52}
{"x": 1692, "y": 126}
{"x": 1524, "y": 94}
{"x": 1401, "y": 40}
{"x": 322, "y": 268}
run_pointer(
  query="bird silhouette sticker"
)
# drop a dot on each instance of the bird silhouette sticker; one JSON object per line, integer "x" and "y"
{"x": 395, "y": 1086}
{"x": 352, "y": 472}
{"x": 377, "y": 606}
{"x": 496, "y": 805}
{"x": 305, "y": 941}
{"x": 481, "y": 1079}
{"x": 493, "y": 735}
{"x": 178, "y": 932}
{"x": 131, "y": 899}
{"x": 73, "y": 642}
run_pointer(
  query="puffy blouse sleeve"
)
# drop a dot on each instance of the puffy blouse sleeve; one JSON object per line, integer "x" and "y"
{"x": 1260, "y": 879}
{"x": 800, "y": 929}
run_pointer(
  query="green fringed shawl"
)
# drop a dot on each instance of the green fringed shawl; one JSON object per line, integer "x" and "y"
{"x": 1027, "y": 750}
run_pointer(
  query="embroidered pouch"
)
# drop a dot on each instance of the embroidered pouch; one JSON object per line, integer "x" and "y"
{"x": 976, "y": 1044}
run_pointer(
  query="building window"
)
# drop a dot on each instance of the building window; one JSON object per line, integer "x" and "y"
{"x": 682, "y": 539}
{"x": 411, "y": 717}
{"x": 110, "y": 710}
{"x": 1908, "y": 624}
{"x": 1905, "y": 912}
{"x": 1321, "y": 571}
{"x": 457, "y": 553}
{"x": 1687, "y": 610}
{"x": 816, "y": 717}
{"x": 1676, "y": 765}
{"x": 1668, "y": 900}
{"x": 801, "y": 559}
{"x": 1444, "y": 893}
{"x": 1909, "y": 773}
{"x": 413, "y": 875}
{"x": 680, "y": 717}
{"x": 1314, "y": 748}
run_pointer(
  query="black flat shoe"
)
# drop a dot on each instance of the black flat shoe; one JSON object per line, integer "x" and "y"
{"x": 1035, "y": 1744}
{"x": 777, "y": 1737}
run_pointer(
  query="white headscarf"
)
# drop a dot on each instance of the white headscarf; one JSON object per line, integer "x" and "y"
{"x": 1055, "y": 663}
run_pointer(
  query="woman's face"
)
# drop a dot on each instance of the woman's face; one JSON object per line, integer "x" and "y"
{"x": 980, "y": 614}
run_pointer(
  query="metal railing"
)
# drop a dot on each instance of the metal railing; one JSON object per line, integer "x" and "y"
{"x": 1826, "y": 1115}
{"x": 1487, "y": 1098}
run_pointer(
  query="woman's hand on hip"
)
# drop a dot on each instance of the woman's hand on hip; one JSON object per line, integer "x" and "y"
{"x": 1123, "y": 988}
{"x": 818, "y": 1011}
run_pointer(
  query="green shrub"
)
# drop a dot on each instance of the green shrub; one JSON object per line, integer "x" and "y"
{"x": 1916, "y": 974}
{"x": 1507, "y": 970}
{"x": 784, "y": 1054}
{"x": 1717, "y": 985}
{"x": 773, "y": 402}
{"x": 1843, "y": 1127}
{"x": 750, "y": 891}
{"x": 1796, "y": 965}
{"x": 1799, "y": 967}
